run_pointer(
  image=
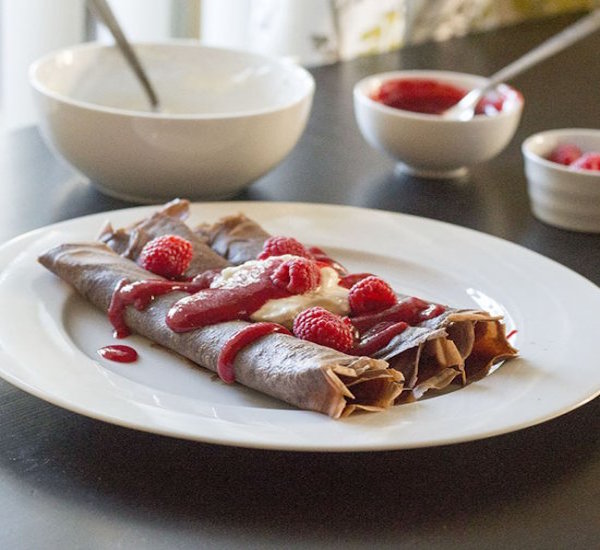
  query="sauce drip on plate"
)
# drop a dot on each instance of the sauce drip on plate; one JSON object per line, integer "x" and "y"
{"x": 118, "y": 353}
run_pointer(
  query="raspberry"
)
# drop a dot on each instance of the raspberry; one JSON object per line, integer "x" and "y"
{"x": 168, "y": 256}
{"x": 278, "y": 246}
{"x": 297, "y": 276}
{"x": 565, "y": 154}
{"x": 370, "y": 295}
{"x": 587, "y": 161}
{"x": 323, "y": 327}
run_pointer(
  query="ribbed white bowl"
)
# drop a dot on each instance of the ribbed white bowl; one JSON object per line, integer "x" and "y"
{"x": 559, "y": 195}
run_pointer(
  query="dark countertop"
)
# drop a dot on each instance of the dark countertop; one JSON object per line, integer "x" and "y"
{"x": 73, "y": 482}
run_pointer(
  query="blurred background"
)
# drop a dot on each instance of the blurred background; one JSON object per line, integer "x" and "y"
{"x": 313, "y": 32}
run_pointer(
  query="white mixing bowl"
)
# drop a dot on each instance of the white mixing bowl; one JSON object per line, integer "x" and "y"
{"x": 226, "y": 118}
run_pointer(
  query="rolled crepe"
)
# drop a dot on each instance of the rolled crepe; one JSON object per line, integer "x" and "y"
{"x": 458, "y": 345}
{"x": 129, "y": 241}
{"x": 425, "y": 357}
{"x": 236, "y": 238}
{"x": 301, "y": 373}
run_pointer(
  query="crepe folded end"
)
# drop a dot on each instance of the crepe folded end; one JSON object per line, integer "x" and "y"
{"x": 459, "y": 346}
{"x": 426, "y": 358}
{"x": 336, "y": 384}
{"x": 301, "y": 373}
{"x": 482, "y": 341}
{"x": 365, "y": 384}
{"x": 237, "y": 238}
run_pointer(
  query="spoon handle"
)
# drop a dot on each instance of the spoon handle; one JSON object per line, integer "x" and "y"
{"x": 106, "y": 15}
{"x": 578, "y": 30}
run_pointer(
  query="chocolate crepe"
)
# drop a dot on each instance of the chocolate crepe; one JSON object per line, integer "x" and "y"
{"x": 458, "y": 345}
{"x": 301, "y": 373}
{"x": 129, "y": 241}
{"x": 237, "y": 238}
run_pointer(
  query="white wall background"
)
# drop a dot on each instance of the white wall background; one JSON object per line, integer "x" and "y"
{"x": 311, "y": 32}
{"x": 29, "y": 29}
{"x": 32, "y": 28}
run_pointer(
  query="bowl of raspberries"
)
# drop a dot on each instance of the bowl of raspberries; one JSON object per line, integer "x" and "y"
{"x": 563, "y": 177}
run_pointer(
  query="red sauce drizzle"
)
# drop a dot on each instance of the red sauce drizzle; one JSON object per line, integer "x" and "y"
{"x": 118, "y": 353}
{"x": 348, "y": 281}
{"x": 139, "y": 295}
{"x": 511, "y": 333}
{"x": 239, "y": 341}
{"x": 434, "y": 310}
{"x": 411, "y": 311}
{"x": 421, "y": 95}
{"x": 325, "y": 260}
{"x": 204, "y": 279}
{"x": 378, "y": 337}
{"x": 217, "y": 305}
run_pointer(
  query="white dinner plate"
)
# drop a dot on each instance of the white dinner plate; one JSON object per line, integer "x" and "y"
{"x": 49, "y": 336}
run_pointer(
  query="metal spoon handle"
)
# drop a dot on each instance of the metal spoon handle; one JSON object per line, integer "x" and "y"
{"x": 578, "y": 30}
{"x": 106, "y": 15}
{"x": 463, "y": 110}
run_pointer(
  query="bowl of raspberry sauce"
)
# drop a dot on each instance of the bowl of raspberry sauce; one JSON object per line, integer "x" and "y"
{"x": 563, "y": 177}
{"x": 401, "y": 113}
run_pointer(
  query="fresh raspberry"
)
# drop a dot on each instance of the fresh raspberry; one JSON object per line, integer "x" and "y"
{"x": 566, "y": 154}
{"x": 323, "y": 327}
{"x": 278, "y": 246}
{"x": 168, "y": 256}
{"x": 587, "y": 161}
{"x": 371, "y": 294}
{"x": 298, "y": 275}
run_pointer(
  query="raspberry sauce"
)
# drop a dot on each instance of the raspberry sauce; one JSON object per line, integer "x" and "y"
{"x": 118, "y": 353}
{"x": 239, "y": 341}
{"x": 140, "y": 294}
{"x": 421, "y": 95}
{"x": 348, "y": 281}
{"x": 378, "y": 337}
{"x": 323, "y": 259}
{"x": 411, "y": 311}
{"x": 217, "y": 305}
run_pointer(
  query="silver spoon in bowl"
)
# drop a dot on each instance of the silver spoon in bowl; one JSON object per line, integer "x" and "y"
{"x": 465, "y": 108}
{"x": 106, "y": 15}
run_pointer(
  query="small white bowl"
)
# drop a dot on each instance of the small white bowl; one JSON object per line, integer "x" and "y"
{"x": 226, "y": 118}
{"x": 429, "y": 145}
{"x": 560, "y": 195}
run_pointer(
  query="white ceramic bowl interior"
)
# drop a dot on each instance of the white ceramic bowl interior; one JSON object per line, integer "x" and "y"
{"x": 430, "y": 145}
{"x": 560, "y": 195}
{"x": 226, "y": 117}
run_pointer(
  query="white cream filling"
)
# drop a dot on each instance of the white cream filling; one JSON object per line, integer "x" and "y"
{"x": 245, "y": 274}
{"x": 329, "y": 294}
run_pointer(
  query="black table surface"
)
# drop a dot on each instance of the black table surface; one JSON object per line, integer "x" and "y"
{"x": 67, "y": 481}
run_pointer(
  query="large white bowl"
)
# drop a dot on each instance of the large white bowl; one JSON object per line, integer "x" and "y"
{"x": 560, "y": 195}
{"x": 430, "y": 145}
{"x": 227, "y": 117}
